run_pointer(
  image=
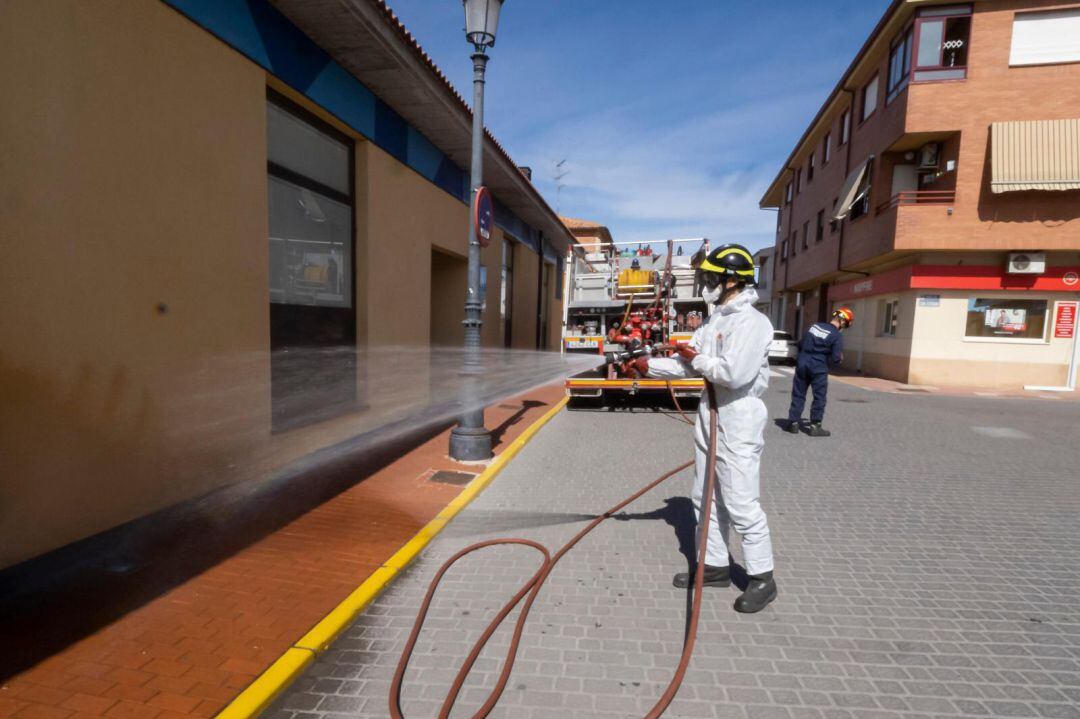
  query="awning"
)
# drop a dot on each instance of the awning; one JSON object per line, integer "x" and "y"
{"x": 855, "y": 188}
{"x": 1035, "y": 155}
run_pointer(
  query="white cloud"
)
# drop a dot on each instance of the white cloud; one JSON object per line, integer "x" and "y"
{"x": 701, "y": 176}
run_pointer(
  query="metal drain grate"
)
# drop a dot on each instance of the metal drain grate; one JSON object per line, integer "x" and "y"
{"x": 445, "y": 476}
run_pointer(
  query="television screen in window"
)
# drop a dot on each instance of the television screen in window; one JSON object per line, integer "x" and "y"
{"x": 1004, "y": 318}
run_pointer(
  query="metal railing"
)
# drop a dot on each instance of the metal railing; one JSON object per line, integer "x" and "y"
{"x": 918, "y": 197}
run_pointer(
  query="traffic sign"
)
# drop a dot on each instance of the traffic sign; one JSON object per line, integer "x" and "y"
{"x": 483, "y": 215}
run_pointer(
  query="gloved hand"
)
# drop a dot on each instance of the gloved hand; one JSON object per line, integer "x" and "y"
{"x": 638, "y": 367}
{"x": 684, "y": 350}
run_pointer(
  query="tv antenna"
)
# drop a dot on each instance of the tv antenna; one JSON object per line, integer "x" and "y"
{"x": 560, "y": 173}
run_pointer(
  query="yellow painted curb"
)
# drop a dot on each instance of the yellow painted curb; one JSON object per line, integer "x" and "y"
{"x": 260, "y": 693}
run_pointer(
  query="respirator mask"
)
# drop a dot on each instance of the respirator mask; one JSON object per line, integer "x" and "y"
{"x": 712, "y": 287}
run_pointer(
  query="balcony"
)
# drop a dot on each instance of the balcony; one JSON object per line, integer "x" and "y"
{"x": 918, "y": 197}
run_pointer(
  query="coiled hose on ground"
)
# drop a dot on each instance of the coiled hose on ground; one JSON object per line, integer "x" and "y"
{"x": 532, "y": 587}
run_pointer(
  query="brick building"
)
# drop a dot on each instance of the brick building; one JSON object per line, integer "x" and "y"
{"x": 937, "y": 193}
{"x": 763, "y": 261}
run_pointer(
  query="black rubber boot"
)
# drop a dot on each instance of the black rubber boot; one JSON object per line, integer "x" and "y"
{"x": 816, "y": 430}
{"x": 714, "y": 577}
{"x": 791, "y": 427}
{"x": 758, "y": 594}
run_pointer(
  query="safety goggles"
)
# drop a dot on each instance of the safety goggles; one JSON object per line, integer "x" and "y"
{"x": 712, "y": 280}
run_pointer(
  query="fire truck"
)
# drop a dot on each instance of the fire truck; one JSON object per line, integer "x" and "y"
{"x": 626, "y": 300}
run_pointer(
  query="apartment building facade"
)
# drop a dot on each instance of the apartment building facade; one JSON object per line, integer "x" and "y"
{"x": 195, "y": 193}
{"x": 763, "y": 263}
{"x": 937, "y": 193}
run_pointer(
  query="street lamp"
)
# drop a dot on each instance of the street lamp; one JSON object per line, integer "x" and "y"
{"x": 470, "y": 440}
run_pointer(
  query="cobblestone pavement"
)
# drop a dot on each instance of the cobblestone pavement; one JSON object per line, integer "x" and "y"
{"x": 928, "y": 558}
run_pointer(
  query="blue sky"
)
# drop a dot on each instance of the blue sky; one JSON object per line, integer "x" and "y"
{"x": 672, "y": 117}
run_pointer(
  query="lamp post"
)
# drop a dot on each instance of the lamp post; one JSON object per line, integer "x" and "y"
{"x": 470, "y": 440}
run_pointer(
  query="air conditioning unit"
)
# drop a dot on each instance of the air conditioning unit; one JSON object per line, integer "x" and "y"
{"x": 1027, "y": 263}
{"x": 928, "y": 156}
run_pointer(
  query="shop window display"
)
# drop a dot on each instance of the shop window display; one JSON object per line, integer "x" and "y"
{"x": 1006, "y": 318}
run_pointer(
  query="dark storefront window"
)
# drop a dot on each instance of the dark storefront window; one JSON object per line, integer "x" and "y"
{"x": 1006, "y": 318}
{"x": 312, "y": 314}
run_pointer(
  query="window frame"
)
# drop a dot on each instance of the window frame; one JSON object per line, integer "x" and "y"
{"x": 506, "y": 290}
{"x": 806, "y": 235}
{"x": 906, "y": 39}
{"x": 788, "y": 193}
{"x": 1048, "y": 319}
{"x": 794, "y": 242}
{"x": 845, "y": 127}
{"x": 884, "y": 313}
{"x": 281, "y": 172}
{"x": 798, "y": 181}
{"x": 819, "y": 234}
{"x": 875, "y": 81}
{"x": 810, "y": 166}
{"x": 1029, "y": 14}
{"x": 288, "y": 313}
{"x": 936, "y": 14}
{"x": 826, "y": 148}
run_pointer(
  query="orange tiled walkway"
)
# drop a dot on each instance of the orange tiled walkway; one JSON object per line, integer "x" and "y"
{"x": 189, "y": 650}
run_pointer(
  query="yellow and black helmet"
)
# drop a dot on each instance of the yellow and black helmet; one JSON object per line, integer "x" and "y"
{"x": 731, "y": 260}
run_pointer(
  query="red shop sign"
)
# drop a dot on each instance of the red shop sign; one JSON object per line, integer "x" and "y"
{"x": 1065, "y": 320}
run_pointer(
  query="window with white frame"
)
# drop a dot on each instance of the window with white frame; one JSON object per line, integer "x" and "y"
{"x": 1006, "y": 318}
{"x": 888, "y": 317}
{"x": 810, "y": 169}
{"x": 826, "y": 149}
{"x": 1041, "y": 38}
{"x": 845, "y": 127}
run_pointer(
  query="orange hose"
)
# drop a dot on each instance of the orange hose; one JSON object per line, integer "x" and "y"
{"x": 532, "y": 588}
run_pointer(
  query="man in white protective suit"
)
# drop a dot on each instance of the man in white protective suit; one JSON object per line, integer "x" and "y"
{"x": 731, "y": 352}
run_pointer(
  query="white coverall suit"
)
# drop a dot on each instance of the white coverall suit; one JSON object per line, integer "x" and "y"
{"x": 732, "y": 354}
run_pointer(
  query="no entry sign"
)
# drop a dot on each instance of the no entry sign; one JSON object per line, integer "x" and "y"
{"x": 1065, "y": 320}
{"x": 483, "y": 215}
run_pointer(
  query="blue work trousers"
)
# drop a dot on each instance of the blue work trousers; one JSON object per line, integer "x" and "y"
{"x": 818, "y": 381}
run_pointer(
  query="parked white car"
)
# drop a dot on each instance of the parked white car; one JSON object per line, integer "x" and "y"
{"x": 784, "y": 348}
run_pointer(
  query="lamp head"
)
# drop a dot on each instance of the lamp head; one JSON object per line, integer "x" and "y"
{"x": 481, "y": 21}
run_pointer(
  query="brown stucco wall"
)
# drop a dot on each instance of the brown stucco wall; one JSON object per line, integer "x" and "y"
{"x": 137, "y": 178}
{"x": 133, "y": 177}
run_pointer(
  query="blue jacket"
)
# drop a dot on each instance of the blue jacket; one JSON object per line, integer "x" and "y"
{"x": 821, "y": 346}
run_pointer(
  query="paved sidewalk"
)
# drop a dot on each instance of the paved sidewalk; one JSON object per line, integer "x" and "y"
{"x": 928, "y": 562}
{"x": 879, "y": 384}
{"x": 193, "y": 639}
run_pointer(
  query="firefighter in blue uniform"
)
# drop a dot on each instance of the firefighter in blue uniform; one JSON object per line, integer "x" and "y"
{"x": 822, "y": 345}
